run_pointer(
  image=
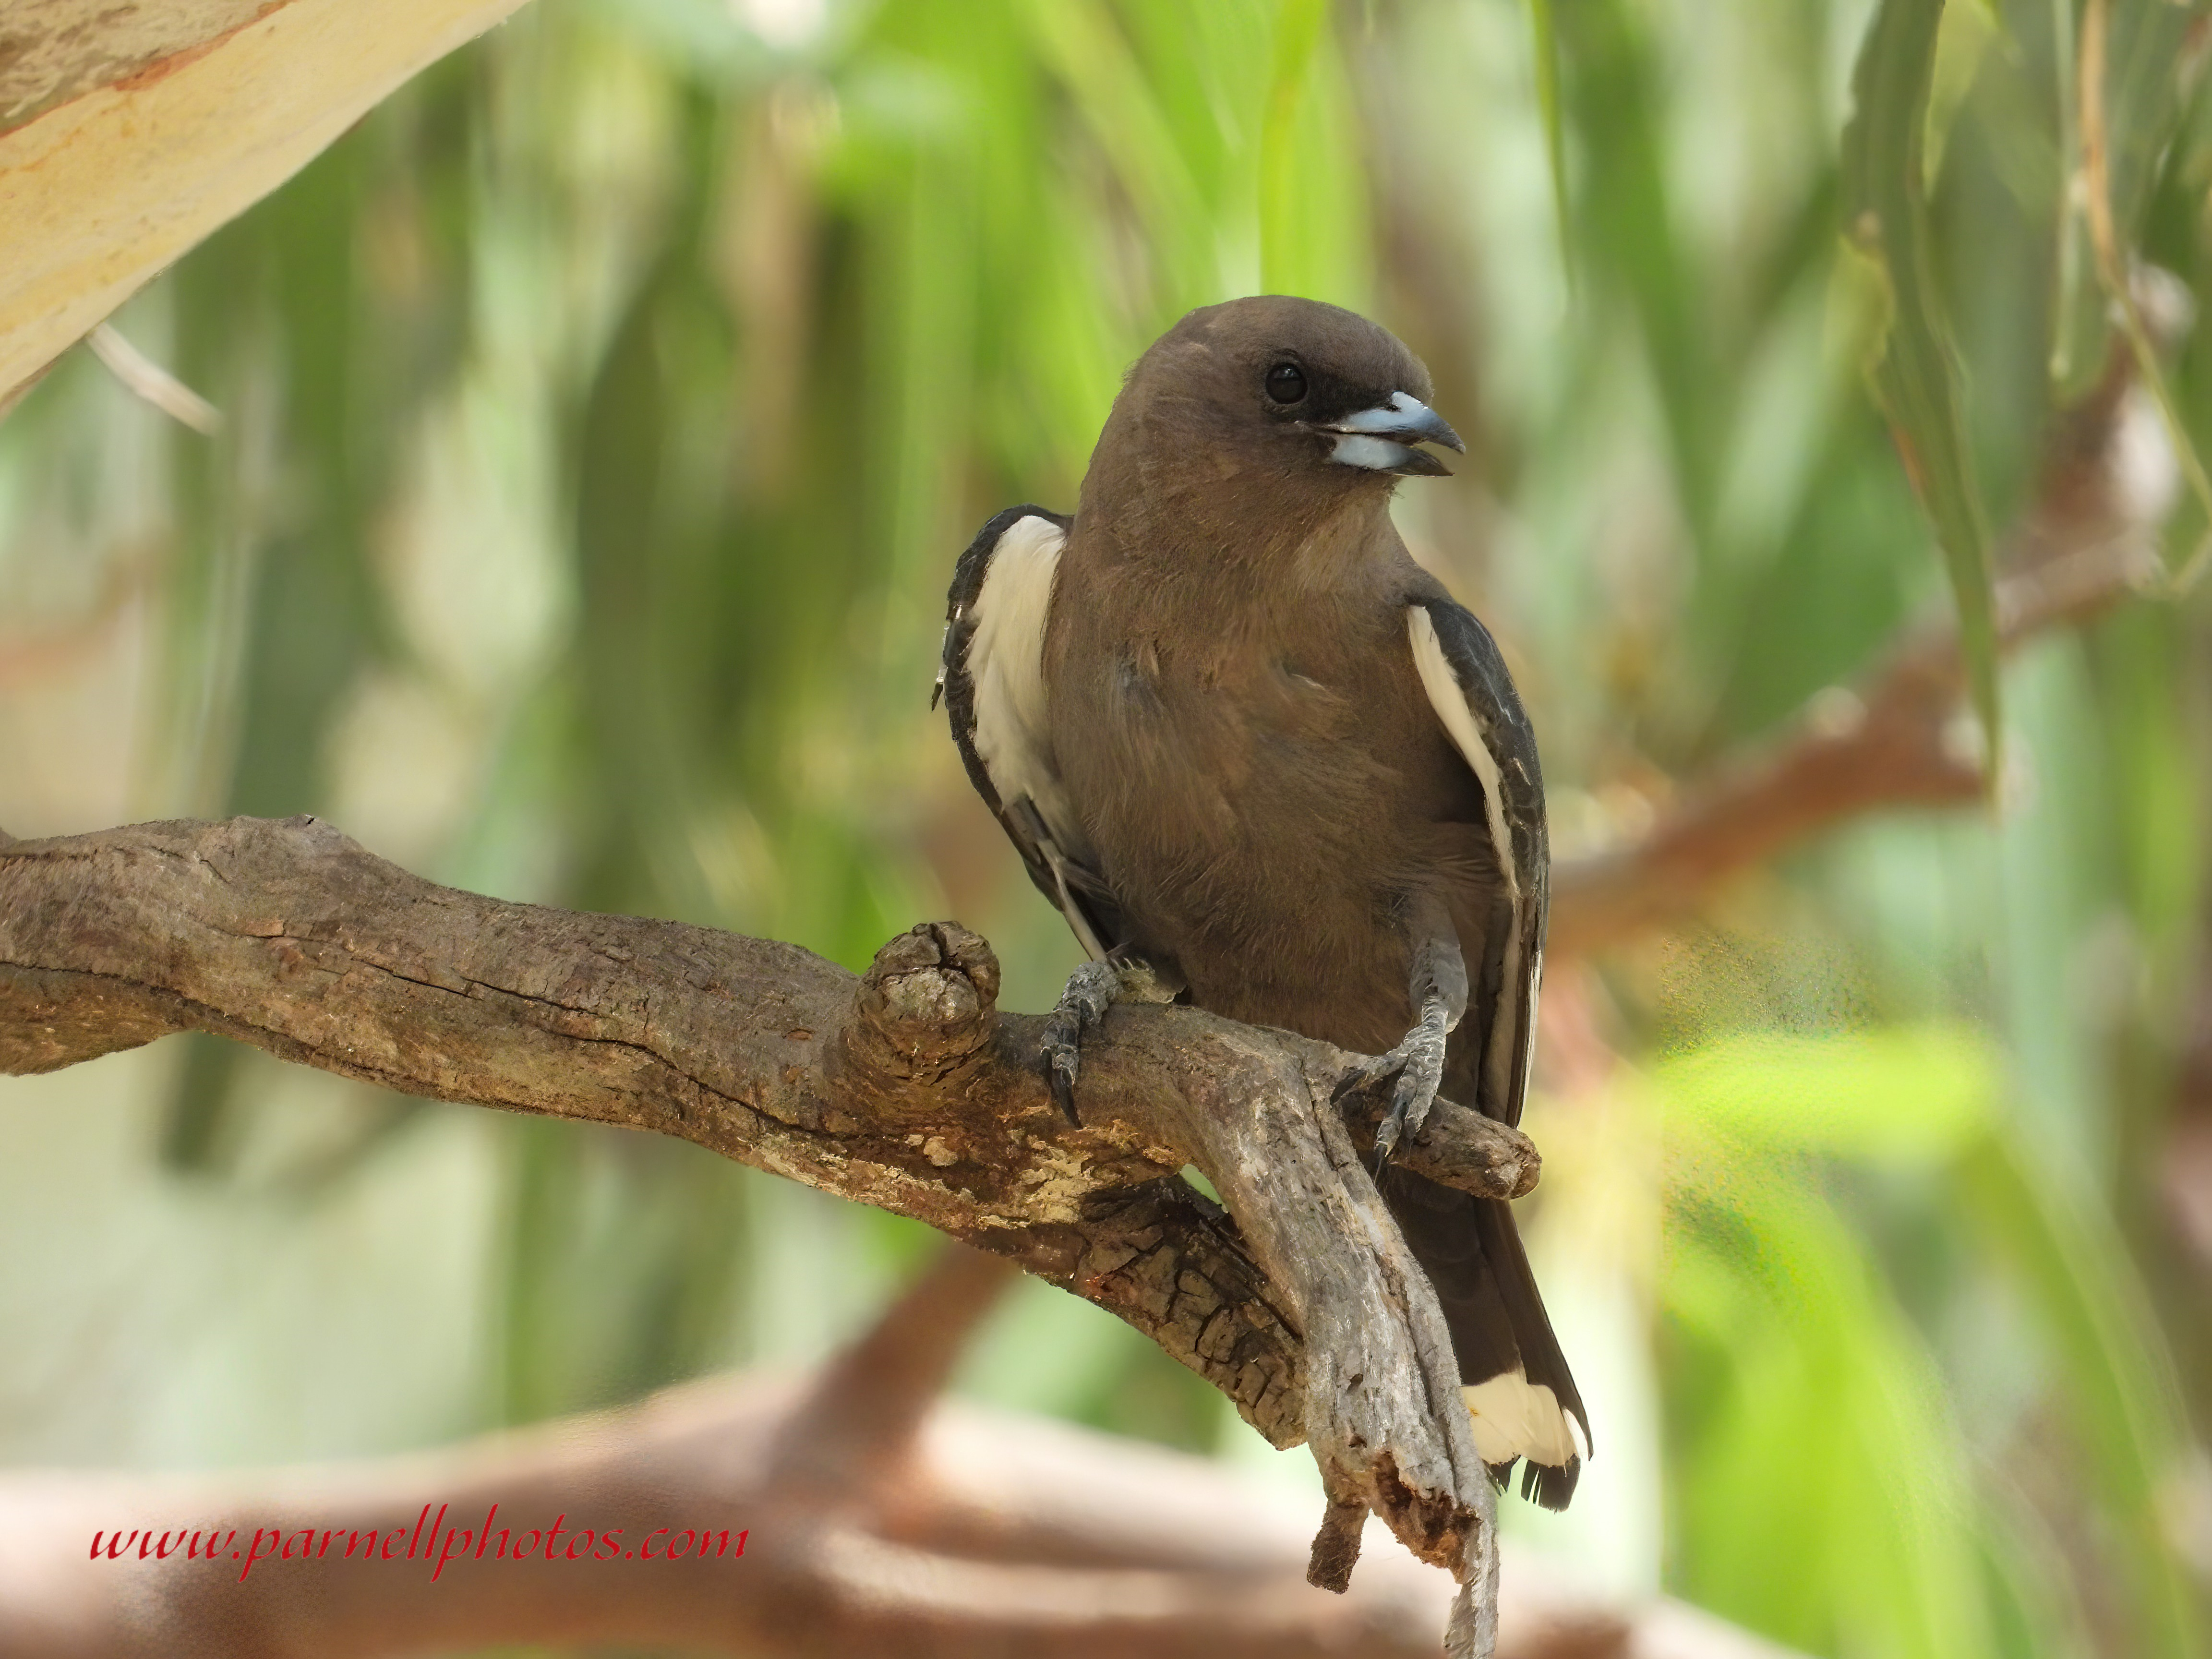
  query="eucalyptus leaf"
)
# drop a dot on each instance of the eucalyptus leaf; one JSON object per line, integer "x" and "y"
{"x": 1915, "y": 375}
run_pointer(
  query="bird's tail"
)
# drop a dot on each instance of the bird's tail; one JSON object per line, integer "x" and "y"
{"x": 1515, "y": 1380}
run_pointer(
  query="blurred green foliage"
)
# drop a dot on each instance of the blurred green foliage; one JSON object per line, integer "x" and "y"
{"x": 603, "y": 415}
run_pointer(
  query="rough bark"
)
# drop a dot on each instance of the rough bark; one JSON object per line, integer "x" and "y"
{"x": 904, "y": 1089}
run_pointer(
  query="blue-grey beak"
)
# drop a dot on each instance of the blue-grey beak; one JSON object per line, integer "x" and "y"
{"x": 1381, "y": 439}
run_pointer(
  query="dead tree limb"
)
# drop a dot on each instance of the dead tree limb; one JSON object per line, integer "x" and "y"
{"x": 904, "y": 1089}
{"x": 877, "y": 1519}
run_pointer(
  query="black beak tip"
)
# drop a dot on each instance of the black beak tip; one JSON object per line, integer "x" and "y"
{"x": 1419, "y": 464}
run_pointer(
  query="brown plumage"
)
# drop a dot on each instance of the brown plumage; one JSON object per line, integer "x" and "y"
{"x": 1260, "y": 751}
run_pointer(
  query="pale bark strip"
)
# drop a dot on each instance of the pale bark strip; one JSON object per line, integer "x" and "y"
{"x": 143, "y": 127}
{"x": 58, "y": 49}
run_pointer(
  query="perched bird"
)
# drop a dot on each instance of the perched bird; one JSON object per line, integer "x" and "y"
{"x": 1261, "y": 760}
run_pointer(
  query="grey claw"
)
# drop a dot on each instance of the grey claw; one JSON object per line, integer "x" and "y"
{"x": 1061, "y": 1059}
{"x": 1415, "y": 1093}
{"x": 1091, "y": 990}
{"x": 1415, "y": 1068}
{"x": 1386, "y": 1142}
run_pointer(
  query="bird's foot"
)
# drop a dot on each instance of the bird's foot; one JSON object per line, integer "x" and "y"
{"x": 1091, "y": 990}
{"x": 1414, "y": 1070}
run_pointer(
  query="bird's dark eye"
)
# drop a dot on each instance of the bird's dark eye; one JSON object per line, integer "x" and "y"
{"x": 1286, "y": 383}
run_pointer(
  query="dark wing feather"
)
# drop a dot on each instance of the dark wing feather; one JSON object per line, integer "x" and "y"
{"x": 1502, "y": 728}
{"x": 1052, "y": 848}
{"x": 1469, "y": 1247}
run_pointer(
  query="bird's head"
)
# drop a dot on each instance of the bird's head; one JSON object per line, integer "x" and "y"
{"x": 1310, "y": 401}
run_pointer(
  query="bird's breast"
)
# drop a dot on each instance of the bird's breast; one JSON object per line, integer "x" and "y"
{"x": 1212, "y": 744}
{"x": 1259, "y": 808}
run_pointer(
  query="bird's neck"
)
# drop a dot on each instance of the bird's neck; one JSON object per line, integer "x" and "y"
{"x": 1228, "y": 544}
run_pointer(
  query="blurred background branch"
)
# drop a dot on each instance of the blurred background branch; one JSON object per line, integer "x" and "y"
{"x": 2090, "y": 537}
{"x": 875, "y": 1518}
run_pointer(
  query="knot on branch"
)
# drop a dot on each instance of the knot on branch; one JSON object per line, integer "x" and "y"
{"x": 925, "y": 1010}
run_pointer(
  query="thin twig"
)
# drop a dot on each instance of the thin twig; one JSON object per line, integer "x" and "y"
{"x": 148, "y": 379}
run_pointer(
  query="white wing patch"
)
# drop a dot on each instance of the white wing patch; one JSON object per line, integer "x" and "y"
{"x": 1449, "y": 699}
{"x": 1005, "y": 658}
{"x": 1006, "y": 664}
{"x": 1516, "y": 1418}
{"x": 1450, "y": 703}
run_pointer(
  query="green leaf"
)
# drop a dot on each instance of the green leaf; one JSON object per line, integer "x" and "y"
{"x": 1916, "y": 376}
{"x": 1967, "y": 30}
{"x": 1545, "y": 39}
{"x": 2125, "y": 1404}
{"x": 2146, "y": 98}
{"x": 1085, "y": 47}
{"x": 1818, "y": 1410}
{"x": 1814, "y": 1375}
{"x": 1297, "y": 33}
{"x": 1903, "y": 1096}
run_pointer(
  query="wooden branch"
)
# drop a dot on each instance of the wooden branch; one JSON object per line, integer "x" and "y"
{"x": 876, "y": 1521}
{"x": 904, "y": 1089}
{"x": 2089, "y": 540}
